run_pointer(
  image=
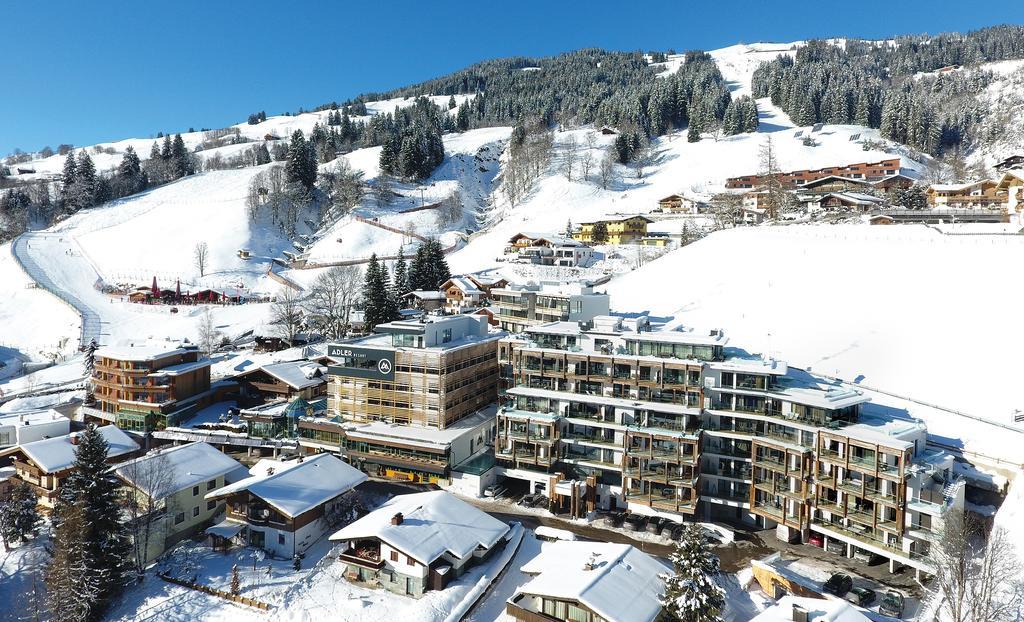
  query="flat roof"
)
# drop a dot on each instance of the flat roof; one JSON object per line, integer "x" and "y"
{"x": 432, "y": 438}
{"x": 148, "y": 352}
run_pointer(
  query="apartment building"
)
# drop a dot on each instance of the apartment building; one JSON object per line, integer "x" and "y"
{"x": 406, "y": 401}
{"x": 674, "y": 422}
{"x": 983, "y": 194}
{"x": 623, "y": 229}
{"x": 870, "y": 171}
{"x": 517, "y": 307}
{"x": 149, "y": 387}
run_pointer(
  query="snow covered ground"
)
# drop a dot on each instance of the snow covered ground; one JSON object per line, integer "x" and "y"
{"x": 318, "y": 592}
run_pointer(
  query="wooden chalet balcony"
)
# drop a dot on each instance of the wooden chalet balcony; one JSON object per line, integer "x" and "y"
{"x": 365, "y": 557}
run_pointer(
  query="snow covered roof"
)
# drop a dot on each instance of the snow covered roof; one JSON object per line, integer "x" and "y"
{"x": 58, "y": 453}
{"x": 298, "y": 486}
{"x": 189, "y": 465}
{"x": 958, "y": 187}
{"x": 556, "y": 240}
{"x": 297, "y": 374}
{"x": 464, "y": 284}
{"x": 148, "y": 352}
{"x": 182, "y": 368}
{"x": 433, "y": 523}
{"x": 616, "y": 581}
{"x": 421, "y": 436}
{"x": 31, "y": 418}
{"x": 426, "y": 294}
{"x": 818, "y": 610}
{"x": 857, "y": 198}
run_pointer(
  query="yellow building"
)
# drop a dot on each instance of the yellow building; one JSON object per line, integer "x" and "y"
{"x": 623, "y": 230}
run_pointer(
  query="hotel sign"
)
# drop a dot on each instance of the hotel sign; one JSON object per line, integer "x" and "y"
{"x": 356, "y": 362}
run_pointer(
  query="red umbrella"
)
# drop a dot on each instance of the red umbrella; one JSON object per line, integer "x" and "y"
{"x": 155, "y": 290}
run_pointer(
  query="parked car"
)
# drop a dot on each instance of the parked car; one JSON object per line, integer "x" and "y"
{"x": 494, "y": 490}
{"x": 615, "y": 519}
{"x": 530, "y": 500}
{"x": 839, "y": 584}
{"x": 541, "y": 501}
{"x": 891, "y": 605}
{"x": 816, "y": 539}
{"x": 836, "y": 546}
{"x": 861, "y": 596}
{"x": 866, "y": 556}
{"x": 636, "y": 522}
{"x": 656, "y": 524}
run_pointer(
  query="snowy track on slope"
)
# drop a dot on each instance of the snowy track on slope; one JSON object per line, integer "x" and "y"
{"x": 35, "y": 250}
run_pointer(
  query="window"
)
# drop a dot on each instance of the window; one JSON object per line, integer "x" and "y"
{"x": 195, "y": 511}
{"x": 179, "y": 518}
{"x": 210, "y": 485}
{"x": 394, "y": 556}
{"x": 577, "y": 614}
{"x": 195, "y": 491}
{"x": 410, "y": 561}
{"x": 210, "y": 505}
{"x": 280, "y": 539}
{"x": 447, "y": 335}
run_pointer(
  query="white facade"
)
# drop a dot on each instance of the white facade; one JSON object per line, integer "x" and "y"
{"x": 18, "y": 429}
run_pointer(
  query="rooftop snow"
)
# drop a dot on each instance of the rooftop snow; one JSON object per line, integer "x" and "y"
{"x": 299, "y": 486}
{"x": 296, "y": 374}
{"x": 818, "y": 610}
{"x": 58, "y": 453}
{"x": 189, "y": 465}
{"x": 420, "y": 435}
{"x": 181, "y": 368}
{"x": 30, "y": 418}
{"x": 616, "y": 581}
{"x": 433, "y": 523}
{"x": 139, "y": 353}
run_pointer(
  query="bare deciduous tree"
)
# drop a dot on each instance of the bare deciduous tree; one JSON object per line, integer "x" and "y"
{"x": 209, "y": 336}
{"x": 978, "y": 577}
{"x": 607, "y": 168}
{"x": 149, "y": 482}
{"x": 199, "y": 256}
{"x": 286, "y": 314}
{"x": 331, "y": 298}
{"x": 570, "y": 154}
{"x": 586, "y": 163}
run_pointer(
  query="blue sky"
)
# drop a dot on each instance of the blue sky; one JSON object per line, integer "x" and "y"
{"x": 83, "y": 72}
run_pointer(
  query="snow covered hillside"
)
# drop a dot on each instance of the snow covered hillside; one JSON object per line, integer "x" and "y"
{"x": 904, "y": 309}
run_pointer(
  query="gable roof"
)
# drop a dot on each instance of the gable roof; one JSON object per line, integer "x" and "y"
{"x": 190, "y": 465}
{"x": 835, "y": 178}
{"x": 296, "y": 374}
{"x": 295, "y": 487}
{"x": 58, "y": 453}
{"x": 621, "y": 585}
{"x": 620, "y": 218}
{"x": 433, "y": 523}
{"x": 463, "y": 284}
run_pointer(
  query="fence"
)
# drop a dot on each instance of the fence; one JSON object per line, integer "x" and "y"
{"x": 252, "y": 602}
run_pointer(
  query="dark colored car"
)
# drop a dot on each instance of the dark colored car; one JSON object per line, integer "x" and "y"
{"x": 891, "y": 605}
{"x": 657, "y": 524}
{"x": 530, "y": 500}
{"x": 861, "y": 596}
{"x": 615, "y": 520}
{"x": 839, "y": 584}
{"x": 635, "y": 522}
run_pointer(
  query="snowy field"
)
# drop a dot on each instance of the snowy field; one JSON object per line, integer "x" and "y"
{"x": 904, "y": 309}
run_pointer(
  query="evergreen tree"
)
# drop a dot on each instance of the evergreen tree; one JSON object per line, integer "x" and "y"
{"x": 166, "y": 150}
{"x": 69, "y": 179}
{"x": 693, "y": 132}
{"x": 236, "y": 581}
{"x": 181, "y": 161}
{"x": 401, "y": 280}
{"x": 19, "y": 517}
{"x": 85, "y": 182}
{"x": 691, "y": 591}
{"x": 262, "y": 155}
{"x": 73, "y": 583}
{"x": 377, "y": 299}
{"x": 89, "y": 528}
{"x": 599, "y": 234}
{"x": 90, "y": 368}
{"x": 154, "y": 151}
{"x": 301, "y": 167}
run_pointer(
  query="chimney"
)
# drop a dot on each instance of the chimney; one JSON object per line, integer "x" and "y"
{"x": 799, "y": 614}
{"x": 397, "y": 519}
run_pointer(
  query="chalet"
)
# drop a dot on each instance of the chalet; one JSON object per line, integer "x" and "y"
{"x": 983, "y": 194}
{"x": 681, "y": 204}
{"x": 486, "y": 282}
{"x": 891, "y": 182}
{"x": 753, "y": 215}
{"x": 283, "y": 506}
{"x": 834, "y": 183}
{"x": 461, "y": 292}
{"x": 419, "y": 542}
{"x": 284, "y": 381}
{"x": 589, "y": 582}
{"x": 548, "y": 250}
{"x": 169, "y": 483}
{"x": 881, "y": 219}
{"x": 844, "y": 201}
{"x": 46, "y": 464}
{"x": 149, "y": 387}
{"x": 425, "y": 300}
{"x": 7, "y": 480}
{"x": 1011, "y": 162}
{"x": 1011, "y": 186}
{"x": 619, "y": 230}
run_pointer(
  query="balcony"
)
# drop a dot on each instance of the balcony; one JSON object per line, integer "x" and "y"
{"x": 769, "y": 510}
{"x": 596, "y": 439}
{"x": 769, "y": 461}
{"x": 367, "y": 557}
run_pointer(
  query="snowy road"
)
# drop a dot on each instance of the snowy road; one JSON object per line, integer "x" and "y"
{"x": 37, "y": 251}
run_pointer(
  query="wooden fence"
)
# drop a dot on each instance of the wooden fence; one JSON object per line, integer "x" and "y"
{"x": 251, "y": 602}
